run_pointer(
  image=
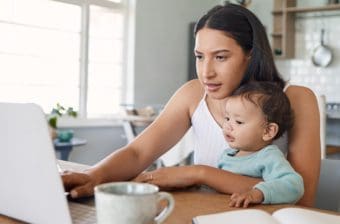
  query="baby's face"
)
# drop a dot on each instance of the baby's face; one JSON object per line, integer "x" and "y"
{"x": 244, "y": 125}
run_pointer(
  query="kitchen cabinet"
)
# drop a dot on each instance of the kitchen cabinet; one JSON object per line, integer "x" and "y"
{"x": 332, "y": 150}
{"x": 283, "y": 36}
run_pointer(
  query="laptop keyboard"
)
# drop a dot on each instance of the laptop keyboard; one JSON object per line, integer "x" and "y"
{"x": 82, "y": 214}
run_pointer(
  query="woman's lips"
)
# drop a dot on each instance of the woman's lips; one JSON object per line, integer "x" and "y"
{"x": 212, "y": 87}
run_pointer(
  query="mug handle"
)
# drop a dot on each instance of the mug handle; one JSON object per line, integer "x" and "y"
{"x": 168, "y": 209}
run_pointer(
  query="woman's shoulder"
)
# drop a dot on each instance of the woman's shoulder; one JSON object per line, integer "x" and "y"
{"x": 304, "y": 103}
{"x": 194, "y": 86}
{"x": 193, "y": 92}
{"x": 300, "y": 94}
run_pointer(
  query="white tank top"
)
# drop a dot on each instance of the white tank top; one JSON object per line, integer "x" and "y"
{"x": 209, "y": 141}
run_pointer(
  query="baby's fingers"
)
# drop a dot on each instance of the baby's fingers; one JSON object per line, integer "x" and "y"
{"x": 246, "y": 203}
{"x": 236, "y": 200}
{"x": 239, "y": 202}
{"x": 233, "y": 199}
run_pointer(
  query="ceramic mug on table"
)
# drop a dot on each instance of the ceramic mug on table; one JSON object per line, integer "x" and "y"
{"x": 131, "y": 203}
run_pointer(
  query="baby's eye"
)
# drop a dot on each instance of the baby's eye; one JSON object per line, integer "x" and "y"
{"x": 239, "y": 122}
{"x": 227, "y": 118}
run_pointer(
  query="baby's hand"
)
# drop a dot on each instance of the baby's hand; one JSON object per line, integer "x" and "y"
{"x": 253, "y": 196}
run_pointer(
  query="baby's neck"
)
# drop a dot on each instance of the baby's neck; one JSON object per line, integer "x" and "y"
{"x": 245, "y": 152}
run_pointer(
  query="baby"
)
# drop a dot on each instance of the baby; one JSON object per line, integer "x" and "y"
{"x": 256, "y": 114}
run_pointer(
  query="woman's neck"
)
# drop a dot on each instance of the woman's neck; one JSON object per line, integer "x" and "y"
{"x": 216, "y": 108}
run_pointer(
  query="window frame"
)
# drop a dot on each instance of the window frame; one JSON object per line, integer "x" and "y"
{"x": 127, "y": 6}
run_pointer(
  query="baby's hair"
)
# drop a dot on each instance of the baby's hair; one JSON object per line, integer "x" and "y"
{"x": 273, "y": 102}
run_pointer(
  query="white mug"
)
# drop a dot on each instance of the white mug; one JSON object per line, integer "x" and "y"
{"x": 131, "y": 203}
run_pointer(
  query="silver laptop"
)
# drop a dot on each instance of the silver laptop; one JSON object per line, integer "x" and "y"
{"x": 31, "y": 189}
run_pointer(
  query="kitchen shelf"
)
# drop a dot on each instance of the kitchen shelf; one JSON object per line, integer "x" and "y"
{"x": 283, "y": 35}
{"x": 330, "y": 7}
{"x": 277, "y": 12}
{"x": 277, "y": 34}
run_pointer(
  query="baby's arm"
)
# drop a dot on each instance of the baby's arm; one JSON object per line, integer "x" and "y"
{"x": 281, "y": 184}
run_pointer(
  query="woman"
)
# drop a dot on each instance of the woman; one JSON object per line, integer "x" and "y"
{"x": 231, "y": 49}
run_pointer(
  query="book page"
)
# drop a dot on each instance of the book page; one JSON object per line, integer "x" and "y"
{"x": 243, "y": 216}
{"x": 304, "y": 216}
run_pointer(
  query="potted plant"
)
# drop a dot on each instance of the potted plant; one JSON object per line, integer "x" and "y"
{"x": 57, "y": 112}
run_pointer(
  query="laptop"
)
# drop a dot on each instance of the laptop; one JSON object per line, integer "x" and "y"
{"x": 31, "y": 189}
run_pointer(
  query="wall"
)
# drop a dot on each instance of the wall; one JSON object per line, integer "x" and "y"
{"x": 101, "y": 141}
{"x": 162, "y": 43}
{"x": 301, "y": 70}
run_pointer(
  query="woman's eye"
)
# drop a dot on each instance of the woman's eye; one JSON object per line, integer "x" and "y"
{"x": 199, "y": 57}
{"x": 220, "y": 58}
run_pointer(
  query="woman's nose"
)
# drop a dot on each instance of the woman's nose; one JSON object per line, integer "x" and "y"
{"x": 208, "y": 69}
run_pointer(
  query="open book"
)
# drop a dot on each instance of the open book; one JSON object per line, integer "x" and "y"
{"x": 281, "y": 216}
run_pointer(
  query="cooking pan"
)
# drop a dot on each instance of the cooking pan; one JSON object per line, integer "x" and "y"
{"x": 322, "y": 54}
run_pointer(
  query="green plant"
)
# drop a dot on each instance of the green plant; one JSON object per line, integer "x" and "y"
{"x": 59, "y": 111}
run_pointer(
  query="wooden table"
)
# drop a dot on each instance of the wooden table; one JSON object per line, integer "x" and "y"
{"x": 188, "y": 204}
{"x": 191, "y": 204}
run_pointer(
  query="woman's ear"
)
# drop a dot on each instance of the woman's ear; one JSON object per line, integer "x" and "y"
{"x": 249, "y": 54}
{"x": 270, "y": 131}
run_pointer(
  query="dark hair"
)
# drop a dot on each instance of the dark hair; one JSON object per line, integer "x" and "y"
{"x": 272, "y": 100}
{"x": 246, "y": 29}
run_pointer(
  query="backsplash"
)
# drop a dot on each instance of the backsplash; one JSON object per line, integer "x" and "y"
{"x": 300, "y": 70}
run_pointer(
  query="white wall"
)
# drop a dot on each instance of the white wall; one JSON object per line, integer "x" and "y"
{"x": 300, "y": 69}
{"x": 101, "y": 141}
{"x": 162, "y": 46}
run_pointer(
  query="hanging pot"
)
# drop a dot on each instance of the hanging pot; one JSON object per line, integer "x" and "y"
{"x": 322, "y": 54}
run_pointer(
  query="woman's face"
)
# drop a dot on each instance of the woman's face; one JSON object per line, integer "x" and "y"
{"x": 220, "y": 62}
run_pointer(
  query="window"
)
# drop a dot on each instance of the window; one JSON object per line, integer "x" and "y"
{"x": 66, "y": 51}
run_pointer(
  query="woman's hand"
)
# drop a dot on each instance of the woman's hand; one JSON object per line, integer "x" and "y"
{"x": 169, "y": 177}
{"x": 78, "y": 184}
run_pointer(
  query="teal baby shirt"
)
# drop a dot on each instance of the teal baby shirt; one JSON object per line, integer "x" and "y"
{"x": 281, "y": 184}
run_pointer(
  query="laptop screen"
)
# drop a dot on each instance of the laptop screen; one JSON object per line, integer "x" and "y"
{"x": 31, "y": 188}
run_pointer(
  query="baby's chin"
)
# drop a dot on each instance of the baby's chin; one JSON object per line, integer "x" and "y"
{"x": 233, "y": 145}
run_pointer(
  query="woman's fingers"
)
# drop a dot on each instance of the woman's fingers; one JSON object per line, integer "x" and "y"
{"x": 79, "y": 184}
{"x": 145, "y": 177}
{"x": 82, "y": 191}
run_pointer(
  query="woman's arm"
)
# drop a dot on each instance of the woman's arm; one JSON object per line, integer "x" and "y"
{"x": 304, "y": 140}
{"x": 186, "y": 176}
{"x": 156, "y": 139}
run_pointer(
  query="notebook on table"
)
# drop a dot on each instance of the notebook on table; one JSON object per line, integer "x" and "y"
{"x": 281, "y": 216}
{"x": 31, "y": 189}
